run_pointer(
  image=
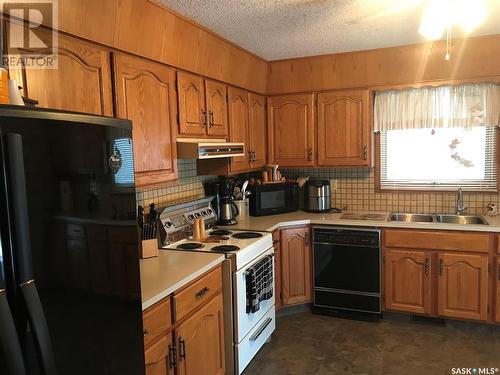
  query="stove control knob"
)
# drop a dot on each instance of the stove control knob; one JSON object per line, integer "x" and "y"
{"x": 209, "y": 211}
{"x": 204, "y": 213}
{"x": 191, "y": 217}
{"x": 198, "y": 214}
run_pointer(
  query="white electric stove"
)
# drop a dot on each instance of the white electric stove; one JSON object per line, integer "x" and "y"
{"x": 245, "y": 332}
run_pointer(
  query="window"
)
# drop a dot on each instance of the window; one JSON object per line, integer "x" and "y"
{"x": 438, "y": 159}
{"x": 438, "y": 138}
{"x": 124, "y": 176}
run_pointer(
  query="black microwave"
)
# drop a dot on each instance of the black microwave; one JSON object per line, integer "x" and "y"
{"x": 272, "y": 199}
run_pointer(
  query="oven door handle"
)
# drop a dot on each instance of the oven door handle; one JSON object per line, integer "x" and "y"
{"x": 261, "y": 329}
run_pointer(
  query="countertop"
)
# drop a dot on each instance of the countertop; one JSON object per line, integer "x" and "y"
{"x": 170, "y": 271}
{"x": 270, "y": 223}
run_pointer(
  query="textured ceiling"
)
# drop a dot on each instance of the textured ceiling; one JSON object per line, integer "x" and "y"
{"x": 279, "y": 29}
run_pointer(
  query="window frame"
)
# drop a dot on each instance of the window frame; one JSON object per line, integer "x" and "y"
{"x": 378, "y": 172}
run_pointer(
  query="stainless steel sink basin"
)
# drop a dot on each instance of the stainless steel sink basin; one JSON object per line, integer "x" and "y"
{"x": 411, "y": 218}
{"x": 460, "y": 219}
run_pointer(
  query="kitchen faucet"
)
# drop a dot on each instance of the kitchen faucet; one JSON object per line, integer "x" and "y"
{"x": 460, "y": 209}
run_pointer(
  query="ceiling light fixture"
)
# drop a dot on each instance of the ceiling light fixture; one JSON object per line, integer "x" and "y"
{"x": 441, "y": 16}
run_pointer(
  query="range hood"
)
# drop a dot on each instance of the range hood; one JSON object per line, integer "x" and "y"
{"x": 188, "y": 148}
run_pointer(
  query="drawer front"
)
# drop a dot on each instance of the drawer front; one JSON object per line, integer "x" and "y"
{"x": 157, "y": 321}
{"x": 75, "y": 230}
{"x": 197, "y": 293}
{"x": 97, "y": 232}
{"x": 437, "y": 240}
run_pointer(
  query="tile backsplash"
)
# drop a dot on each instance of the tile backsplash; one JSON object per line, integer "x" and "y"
{"x": 356, "y": 191}
{"x": 188, "y": 186}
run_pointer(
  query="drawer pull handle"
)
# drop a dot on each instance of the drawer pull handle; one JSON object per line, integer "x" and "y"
{"x": 145, "y": 332}
{"x": 182, "y": 348}
{"x": 261, "y": 329}
{"x": 201, "y": 292}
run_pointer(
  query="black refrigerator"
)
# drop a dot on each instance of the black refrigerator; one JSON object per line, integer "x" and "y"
{"x": 69, "y": 266}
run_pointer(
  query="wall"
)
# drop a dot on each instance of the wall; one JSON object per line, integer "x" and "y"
{"x": 356, "y": 191}
{"x": 470, "y": 58}
{"x": 189, "y": 186}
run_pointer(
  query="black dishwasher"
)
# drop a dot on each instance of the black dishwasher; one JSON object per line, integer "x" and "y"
{"x": 347, "y": 272}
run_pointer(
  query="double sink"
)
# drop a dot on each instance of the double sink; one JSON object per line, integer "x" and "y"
{"x": 438, "y": 218}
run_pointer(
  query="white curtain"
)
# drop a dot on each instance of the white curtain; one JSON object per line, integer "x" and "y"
{"x": 437, "y": 107}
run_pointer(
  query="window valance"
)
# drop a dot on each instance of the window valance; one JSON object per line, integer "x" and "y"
{"x": 463, "y": 105}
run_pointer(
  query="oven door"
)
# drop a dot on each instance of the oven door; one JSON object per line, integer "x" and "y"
{"x": 244, "y": 321}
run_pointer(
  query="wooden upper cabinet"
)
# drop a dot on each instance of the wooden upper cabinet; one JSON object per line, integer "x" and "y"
{"x": 145, "y": 94}
{"x": 238, "y": 126}
{"x": 81, "y": 82}
{"x": 463, "y": 286}
{"x": 200, "y": 341}
{"x": 407, "y": 284}
{"x": 344, "y": 128}
{"x": 257, "y": 130}
{"x": 296, "y": 282}
{"x": 158, "y": 361}
{"x": 192, "y": 111}
{"x": 290, "y": 120}
{"x": 216, "y": 100}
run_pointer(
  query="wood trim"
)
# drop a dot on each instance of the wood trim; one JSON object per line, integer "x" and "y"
{"x": 438, "y": 240}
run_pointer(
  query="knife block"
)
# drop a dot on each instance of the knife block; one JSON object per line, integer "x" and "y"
{"x": 149, "y": 249}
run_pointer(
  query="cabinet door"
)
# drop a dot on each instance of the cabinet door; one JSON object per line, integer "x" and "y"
{"x": 296, "y": 266}
{"x": 192, "y": 113}
{"x": 343, "y": 128}
{"x": 290, "y": 120}
{"x": 81, "y": 82}
{"x": 200, "y": 341}
{"x": 238, "y": 127}
{"x": 463, "y": 286}
{"x": 257, "y": 129}
{"x": 497, "y": 311}
{"x": 145, "y": 94}
{"x": 157, "y": 357}
{"x": 407, "y": 281}
{"x": 216, "y": 97}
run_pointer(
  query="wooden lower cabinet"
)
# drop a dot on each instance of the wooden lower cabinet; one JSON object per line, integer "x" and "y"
{"x": 407, "y": 280}
{"x": 497, "y": 278}
{"x": 296, "y": 266}
{"x": 200, "y": 341}
{"x": 157, "y": 356}
{"x": 463, "y": 286}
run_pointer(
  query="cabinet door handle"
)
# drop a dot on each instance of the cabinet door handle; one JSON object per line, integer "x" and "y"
{"x": 310, "y": 154}
{"x": 171, "y": 356}
{"x": 203, "y": 118}
{"x": 365, "y": 153}
{"x": 441, "y": 267}
{"x": 426, "y": 266}
{"x": 182, "y": 348}
{"x": 253, "y": 155}
{"x": 249, "y": 156}
{"x": 201, "y": 292}
{"x": 212, "y": 119}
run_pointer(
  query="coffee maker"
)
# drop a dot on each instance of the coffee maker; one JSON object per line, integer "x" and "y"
{"x": 225, "y": 209}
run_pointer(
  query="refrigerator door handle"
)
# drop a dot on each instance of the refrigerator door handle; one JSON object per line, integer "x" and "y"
{"x": 22, "y": 250}
{"x": 10, "y": 348}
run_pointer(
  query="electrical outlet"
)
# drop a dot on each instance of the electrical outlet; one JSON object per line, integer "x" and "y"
{"x": 334, "y": 184}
